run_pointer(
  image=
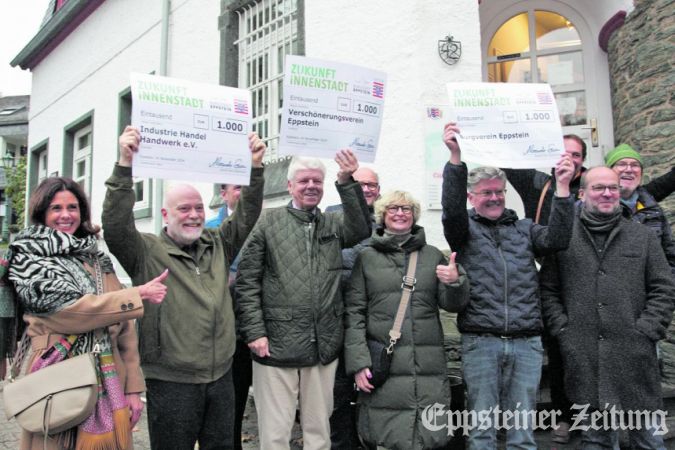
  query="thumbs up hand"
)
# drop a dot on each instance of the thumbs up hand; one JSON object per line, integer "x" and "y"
{"x": 448, "y": 273}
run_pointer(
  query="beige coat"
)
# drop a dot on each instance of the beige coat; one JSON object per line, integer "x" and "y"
{"x": 116, "y": 309}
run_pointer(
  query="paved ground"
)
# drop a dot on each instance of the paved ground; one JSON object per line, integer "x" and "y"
{"x": 10, "y": 432}
{"x": 9, "y": 435}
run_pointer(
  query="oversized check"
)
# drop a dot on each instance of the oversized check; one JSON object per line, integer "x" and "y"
{"x": 512, "y": 125}
{"x": 329, "y": 106}
{"x": 191, "y": 131}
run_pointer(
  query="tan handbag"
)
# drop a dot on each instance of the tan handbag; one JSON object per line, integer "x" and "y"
{"x": 55, "y": 398}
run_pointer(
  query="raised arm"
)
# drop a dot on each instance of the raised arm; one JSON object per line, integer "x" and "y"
{"x": 355, "y": 213}
{"x": 522, "y": 181}
{"x": 663, "y": 186}
{"x": 236, "y": 227}
{"x": 556, "y": 236}
{"x": 119, "y": 225}
{"x": 455, "y": 217}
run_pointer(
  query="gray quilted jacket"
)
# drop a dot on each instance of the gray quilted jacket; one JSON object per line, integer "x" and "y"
{"x": 289, "y": 280}
{"x": 499, "y": 259}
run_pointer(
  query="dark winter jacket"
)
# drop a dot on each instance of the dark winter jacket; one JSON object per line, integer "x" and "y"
{"x": 349, "y": 254}
{"x": 391, "y": 415}
{"x": 289, "y": 280}
{"x": 663, "y": 186}
{"x": 529, "y": 184}
{"x": 189, "y": 337}
{"x": 608, "y": 308}
{"x": 499, "y": 259}
{"x": 649, "y": 213}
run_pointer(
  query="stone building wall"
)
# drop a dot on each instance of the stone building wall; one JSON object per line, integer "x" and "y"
{"x": 640, "y": 56}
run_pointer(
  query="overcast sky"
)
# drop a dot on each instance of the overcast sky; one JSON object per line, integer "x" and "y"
{"x": 19, "y": 22}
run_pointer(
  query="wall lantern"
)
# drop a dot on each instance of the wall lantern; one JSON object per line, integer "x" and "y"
{"x": 449, "y": 50}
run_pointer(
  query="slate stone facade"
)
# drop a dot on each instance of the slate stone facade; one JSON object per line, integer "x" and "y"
{"x": 640, "y": 56}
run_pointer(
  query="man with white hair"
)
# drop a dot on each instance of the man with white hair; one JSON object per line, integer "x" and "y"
{"x": 290, "y": 304}
{"x": 187, "y": 344}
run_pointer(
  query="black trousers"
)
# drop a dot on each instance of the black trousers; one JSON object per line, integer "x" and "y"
{"x": 181, "y": 414}
{"x": 556, "y": 379}
{"x": 343, "y": 434}
{"x": 242, "y": 377}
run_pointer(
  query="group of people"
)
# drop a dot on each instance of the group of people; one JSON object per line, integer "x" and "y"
{"x": 604, "y": 295}
{"x": 312, "y": 291}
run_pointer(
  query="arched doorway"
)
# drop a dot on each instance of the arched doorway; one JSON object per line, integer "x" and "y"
{"x": 539, "y": 41}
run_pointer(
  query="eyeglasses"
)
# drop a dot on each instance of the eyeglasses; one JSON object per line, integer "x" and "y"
{"x": 623, "y": 165}
{"x": 369, "y": 186}
{"x": 600, "y": 188}
{"x": 488, "y": 194}
{"x": 405, "y": 209}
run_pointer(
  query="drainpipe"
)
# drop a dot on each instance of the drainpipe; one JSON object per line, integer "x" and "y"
{"x": 163, "y": 57}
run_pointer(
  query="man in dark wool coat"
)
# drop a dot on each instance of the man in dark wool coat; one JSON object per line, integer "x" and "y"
{"x": 608, "y": 299}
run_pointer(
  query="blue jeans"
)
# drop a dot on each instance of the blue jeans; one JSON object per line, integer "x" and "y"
{"x": 505, "y": 373}
{"x": 609, "y": 439}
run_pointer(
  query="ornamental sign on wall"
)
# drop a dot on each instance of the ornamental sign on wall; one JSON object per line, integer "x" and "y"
{"x": 449, "y": 50}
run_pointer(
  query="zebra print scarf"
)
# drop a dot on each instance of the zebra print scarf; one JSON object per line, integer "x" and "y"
{"x": 47, "y": 271}
{"x": 46, "y": 268}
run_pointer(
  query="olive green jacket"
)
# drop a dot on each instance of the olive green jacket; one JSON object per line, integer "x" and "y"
{"x": 391, "y": 416}
{"x": 190, "y": 336}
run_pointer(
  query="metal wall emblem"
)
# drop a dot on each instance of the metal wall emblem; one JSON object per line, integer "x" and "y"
{"x": 449, "y": 50}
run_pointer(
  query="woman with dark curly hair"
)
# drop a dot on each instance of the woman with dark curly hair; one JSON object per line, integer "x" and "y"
{"x": 71, "y": 299}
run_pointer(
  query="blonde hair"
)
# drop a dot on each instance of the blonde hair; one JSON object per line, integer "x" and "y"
{"x": 396, "y": 198}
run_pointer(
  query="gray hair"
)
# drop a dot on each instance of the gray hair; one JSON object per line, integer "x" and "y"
{"x": 298, "y": 163}
{"x": 484, "y": 173}
{"x": 395, "y": 198}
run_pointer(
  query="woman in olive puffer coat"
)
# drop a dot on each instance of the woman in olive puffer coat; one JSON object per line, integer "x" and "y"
{"x": 391, "y": 416}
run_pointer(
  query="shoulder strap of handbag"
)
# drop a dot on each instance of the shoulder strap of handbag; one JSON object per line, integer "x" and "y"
{"x": 407, "y": 287}
{"x": 98, "y": 333}
{"x": 16, "y": 361}
{"x": 99, "y": 276}
{"x": 23, "y": 347}
{"x": 542, "y": 196}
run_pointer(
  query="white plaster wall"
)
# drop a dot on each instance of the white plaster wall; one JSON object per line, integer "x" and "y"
{"x": 89, "y": 69}
{"x": 401, "y": 39}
